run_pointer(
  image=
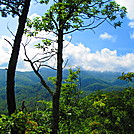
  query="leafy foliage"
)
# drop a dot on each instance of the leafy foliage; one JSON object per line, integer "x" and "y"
{"x": 65, "y": 17}
{"x": 13, "y": 7}
{"x": 99, "y": 112}
{"x": 28, "y": 88}
{"x": 128, "y": 76}
{"x": 75, "y": 15}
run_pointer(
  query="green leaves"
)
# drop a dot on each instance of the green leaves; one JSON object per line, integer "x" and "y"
{"x": 44, "y": 1}
{"x": 113, "y": 11}
{"x": 117, "y": 24}
{"x": 99, "y": 112}
{"x": 78, "y": 15}
{"x": 128, "y": 76}
{"x": 13, "y": 7}
{"x": 47, "y": 42}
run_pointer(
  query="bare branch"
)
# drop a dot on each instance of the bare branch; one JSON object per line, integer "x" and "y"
{"x": 65, "y": 63}
{"x": 10, "y": 30}
{"x": 8, "y": 42}
{"x": 69, "y": 42}
{"x": 49, "y": 67}
{"x": 42, "y": 59}
{"x": 87, "y": 27}
{"x": 37, "y": 72}
{"x": 43, "y": 38}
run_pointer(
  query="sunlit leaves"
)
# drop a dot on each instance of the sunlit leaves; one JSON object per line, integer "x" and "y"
{"x": 110, "y": 110}
{"x": 69, "y": 90}
{"x": 44, "y": 45}
{"x": 128, "y": 76}
{"x": 78, "y": 15}
{"x": 99, "y": 112}
{"x": 52, "y": 79}
{"x": 26, "y": 122}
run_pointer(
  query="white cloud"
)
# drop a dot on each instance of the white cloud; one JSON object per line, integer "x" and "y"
{"x": 34, "y": 15}
{"x": 131, "y": 24}
{"x": 106, "y": 36}
{"x": 104, "y": 60}
{"x": 78, "y": 56}
{"x": 5, "y": 49}
{"x": 129, "y": 4}
{"x": 132, "y": 35}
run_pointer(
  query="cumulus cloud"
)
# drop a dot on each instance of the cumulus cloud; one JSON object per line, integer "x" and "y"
{"x": 103, "y": 60}
{"x": 129, "y": 4}
{"x": 131, "y": 24}
{"x": 34, "y": 15}
{"x": 77, "y": 55}
{"x": 132, "y": 35}
{"x": 105, "y": 36}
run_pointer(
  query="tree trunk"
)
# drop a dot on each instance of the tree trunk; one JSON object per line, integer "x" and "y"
{"x": 56, "y": 96}
{"x": 13, "y": 60}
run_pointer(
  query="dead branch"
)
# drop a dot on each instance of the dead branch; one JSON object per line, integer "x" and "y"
{"x": 10, "y": 31}
{"x": 36, "y": 69}
{"x": 9, "y": 42}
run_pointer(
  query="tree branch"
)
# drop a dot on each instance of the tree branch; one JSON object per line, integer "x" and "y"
{"x": 9, "y": 42}
{"x": 37, "y": 73}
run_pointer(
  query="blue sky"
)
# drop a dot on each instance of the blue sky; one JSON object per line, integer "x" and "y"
{"x": 107, "y": 49}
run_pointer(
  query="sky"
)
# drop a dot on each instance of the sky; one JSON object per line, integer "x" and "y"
{"x": 105, "y": 49}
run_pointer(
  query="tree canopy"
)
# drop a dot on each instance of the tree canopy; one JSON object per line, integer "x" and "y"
{"x": 11, "y": 7}
{"x": 79, "y": 15}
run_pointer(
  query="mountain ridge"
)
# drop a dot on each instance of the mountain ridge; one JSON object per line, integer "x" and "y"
{"x": 28, "y": 85}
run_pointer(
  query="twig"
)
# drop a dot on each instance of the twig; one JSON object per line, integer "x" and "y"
{"x": 10, "y": 30}
{"x": 9, "y": 42}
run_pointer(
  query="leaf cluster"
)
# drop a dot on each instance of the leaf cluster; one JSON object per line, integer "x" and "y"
{"x": 11, "y": 7}
{"x": 103, "y": 113}
{"x": 128, "y": 76}
{"x": 78, "y": 15}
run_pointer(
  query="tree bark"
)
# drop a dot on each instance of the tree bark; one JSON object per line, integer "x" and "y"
{"x": 56, "y": 96}
{"x": 14, "y": 58}
{"x": 13, "y": 62}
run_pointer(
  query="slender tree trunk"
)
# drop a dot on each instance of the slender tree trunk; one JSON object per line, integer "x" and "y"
{"x": 13, "y": 62}
{"x": 56, "y": 96}
{"x": 13, "y": 59}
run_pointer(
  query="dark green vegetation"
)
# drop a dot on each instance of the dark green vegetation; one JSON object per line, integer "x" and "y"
{"x": 29, "y": 89}
{"x": 96, "y": 113}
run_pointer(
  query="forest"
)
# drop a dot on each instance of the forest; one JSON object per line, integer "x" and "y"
{"x": 99, "y": 111}
{"x": 28, "y": 86}
{"x": 53, "y": 99}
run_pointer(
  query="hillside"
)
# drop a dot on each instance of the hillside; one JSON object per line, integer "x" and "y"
{"x": 28, "y": 86}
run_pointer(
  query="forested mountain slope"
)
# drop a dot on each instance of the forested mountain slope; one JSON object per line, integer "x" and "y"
{"x": 28, "y": 86}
